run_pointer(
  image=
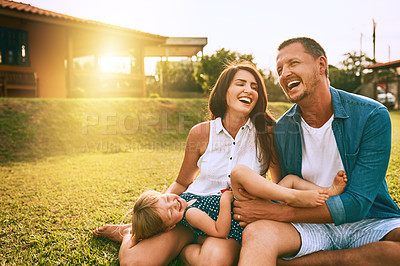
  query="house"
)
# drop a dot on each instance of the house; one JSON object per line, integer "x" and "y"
{"x": 48, "y": 54}
{"x": 385, "y": 83}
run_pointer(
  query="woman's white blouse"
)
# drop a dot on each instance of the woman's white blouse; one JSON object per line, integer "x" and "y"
{"x": 222, "y": 154}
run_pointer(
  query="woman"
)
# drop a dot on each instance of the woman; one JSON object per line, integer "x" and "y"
{"x": 240, "y": 132}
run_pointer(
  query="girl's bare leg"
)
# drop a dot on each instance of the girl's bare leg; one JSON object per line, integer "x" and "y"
{"x": 293, "y": 181}
{"x": 243, "y": 177}
{"x": 213, "y": 251}
{"x": 339, "y": 183}
{"x": 158, "y": 250}
{"x": 337, "y": 187}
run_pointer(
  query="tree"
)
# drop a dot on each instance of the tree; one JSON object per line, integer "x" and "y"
{"x": 211, "y": 66}
{"x": 176, "y": 76}
{"x": 343, "y": 79}
{"x": 349, "y": 76}
{"x": 274, "y": 90}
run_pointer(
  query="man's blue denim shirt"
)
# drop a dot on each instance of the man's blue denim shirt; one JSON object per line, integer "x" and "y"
{"x": 362, "y": 129}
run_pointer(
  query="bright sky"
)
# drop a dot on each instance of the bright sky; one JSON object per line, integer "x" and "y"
{"x": 251, "y": 26}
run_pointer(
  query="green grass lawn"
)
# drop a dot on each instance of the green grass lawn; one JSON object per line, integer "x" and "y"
{"x": 50, "y": 205}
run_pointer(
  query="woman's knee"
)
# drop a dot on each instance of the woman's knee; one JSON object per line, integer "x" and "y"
{"x": 225, "y": 252}
{"x": 158, "y": 250}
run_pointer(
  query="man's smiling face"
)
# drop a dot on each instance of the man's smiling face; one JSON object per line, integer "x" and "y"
{"x": 298, "y": 72}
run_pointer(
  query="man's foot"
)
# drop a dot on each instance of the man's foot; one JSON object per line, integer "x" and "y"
{"x": 113, "y": 232}
{"x": 339, "y": 183}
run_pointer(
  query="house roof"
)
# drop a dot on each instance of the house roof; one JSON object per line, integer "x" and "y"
{"x": 157, "y": 45}
{"x": 177, "y": 46}
{"x": 391, "y": 64}
{"x": 17, "y": 8}
{"x": 22, "y": 7}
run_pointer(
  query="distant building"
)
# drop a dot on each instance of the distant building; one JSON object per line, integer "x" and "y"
{"x": 387, "y": 89}
{"x": 48, "y": 54}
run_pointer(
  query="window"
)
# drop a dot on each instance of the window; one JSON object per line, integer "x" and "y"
{"x": 14, "y": 47}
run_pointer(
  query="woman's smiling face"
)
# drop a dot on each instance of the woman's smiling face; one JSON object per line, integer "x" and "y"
{"x": 242, "y": 94}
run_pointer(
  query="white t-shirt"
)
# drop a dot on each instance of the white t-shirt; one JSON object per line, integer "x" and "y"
{"x": 321, "y": 159}
{"x": 222, "y": 154}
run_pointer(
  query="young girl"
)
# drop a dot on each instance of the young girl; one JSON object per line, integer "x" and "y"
{"x": 155, "y": 213}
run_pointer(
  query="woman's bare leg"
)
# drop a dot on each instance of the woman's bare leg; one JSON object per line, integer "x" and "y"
{"x": 243, "y": 177}
{"x": 158, "y": 250}
{"x": 114, "y": 232}
{"x": 213, "y": 251}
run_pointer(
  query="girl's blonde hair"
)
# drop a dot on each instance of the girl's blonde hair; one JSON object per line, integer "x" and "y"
{"x": 146, "y": 220}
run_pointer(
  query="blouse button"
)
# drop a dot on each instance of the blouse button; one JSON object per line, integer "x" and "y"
{"x": 242, "y": 128}
{"x": 230, "y": 158}
{"x": 234, "y": 143}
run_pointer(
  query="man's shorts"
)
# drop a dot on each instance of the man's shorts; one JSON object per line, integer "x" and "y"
{"x": 317, "y": 237}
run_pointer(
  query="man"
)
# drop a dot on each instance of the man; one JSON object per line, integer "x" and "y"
{"x": 327, "y": 130}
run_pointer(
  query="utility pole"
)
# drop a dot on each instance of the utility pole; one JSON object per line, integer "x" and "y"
{"x": 361, "y": 66}
{"x": 373, "y": 39}
{"x": 375, "y": 83}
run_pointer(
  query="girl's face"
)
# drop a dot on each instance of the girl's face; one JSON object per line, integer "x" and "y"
{"x": 242, "y": 94}
{"x": 171, "y": 209}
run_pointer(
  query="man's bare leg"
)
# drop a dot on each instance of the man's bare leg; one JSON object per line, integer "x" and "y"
{"x": 265, "y": 240}
{"x": 384, "y": 252}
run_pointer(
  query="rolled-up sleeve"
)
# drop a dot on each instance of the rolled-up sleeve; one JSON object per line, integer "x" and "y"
{"x": 366, "y": 179}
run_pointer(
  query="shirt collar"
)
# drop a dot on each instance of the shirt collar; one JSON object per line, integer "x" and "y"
{"x": 219, "y": 127}
{"x": 338, "y": 108}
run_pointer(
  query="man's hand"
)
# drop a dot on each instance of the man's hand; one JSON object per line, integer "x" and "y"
{"x": 249, "y": 211}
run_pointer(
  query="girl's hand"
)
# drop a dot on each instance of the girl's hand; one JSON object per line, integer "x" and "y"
{"x": 227, "y": 196}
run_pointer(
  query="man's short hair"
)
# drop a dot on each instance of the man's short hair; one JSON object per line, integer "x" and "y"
{"x": 311, "y": 47}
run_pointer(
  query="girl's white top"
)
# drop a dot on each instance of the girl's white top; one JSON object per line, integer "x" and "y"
{"x": 222, "y": 154}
